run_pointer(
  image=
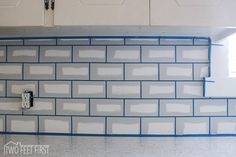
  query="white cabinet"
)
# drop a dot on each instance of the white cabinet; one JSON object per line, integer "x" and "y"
{"x": 21, "y": 12}
{"x": 213, "y": 13}
{"x": 101, "y": 12}
{"x": 193, "y": 13}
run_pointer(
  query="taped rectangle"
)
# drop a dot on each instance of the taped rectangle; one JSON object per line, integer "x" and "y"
{"x": 57, "y": 53}
{"x": 143, "y": 108}
{"x": 90, "y": 89}
{"x": 23, "y": 126}
{"x": 195, "y": 128}
{"x": 146, "y": 71}
{"x": 126, "y": 54}
{"x": 193, "y": 90}
{"x": 91, "y": 53}
{"x": 175, "y": 71}
{"x": 109, "y": 71}
{"x": 161, "y": 54}
{"x": 226, "y": 128}
{"x": 195, "y": 54}
{"x": 10, "y": 69}
{"x": 41, "y": 70}
{"x": 26, "y": 53}
{"x": 56, "y": 126}
{"x": 1, "y": 87}
{"x": 90, "y": 128}
{"x": 18, "y": 89}
{"x": 1, "y": 125}
{"x": 56, "y": 88}
{"x": 75, "y": 71}
{"x": 108, "y": 107}
{"x": 204, "y": 72}
{"x": 178, "y": 108}
{"x": 161, "y": 128}
{"x": 79, "y": 107}
{"x": 213, "y": 108}
{"x": 42, "y": 105}
{"x": 154, "y": 89}
{"x": 2, "y": 53}
{"x": 122, "y": 128}
{"x": 125, "y": 89}
{"x": 10, "y": 106}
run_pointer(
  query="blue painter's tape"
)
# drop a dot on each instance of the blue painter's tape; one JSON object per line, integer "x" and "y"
{"x": 123, "y": 79}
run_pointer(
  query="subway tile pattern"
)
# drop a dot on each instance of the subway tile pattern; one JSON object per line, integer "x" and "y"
{"x": 140, "y": 86}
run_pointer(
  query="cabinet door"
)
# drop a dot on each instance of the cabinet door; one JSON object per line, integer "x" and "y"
{"x": 101, "y": 12}
{"x": 21, "y": 12}
{"x": 193, "y": 12}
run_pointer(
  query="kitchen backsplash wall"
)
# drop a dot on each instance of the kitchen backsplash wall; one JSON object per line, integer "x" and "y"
{"x": 111, "y": 86}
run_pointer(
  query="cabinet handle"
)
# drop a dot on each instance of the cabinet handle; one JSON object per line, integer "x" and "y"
{"x": 46, "y": 4}
{"x": 52, "y": 4}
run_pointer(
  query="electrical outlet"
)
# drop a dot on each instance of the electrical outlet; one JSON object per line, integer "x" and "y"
{"x": 27, "y": 99}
